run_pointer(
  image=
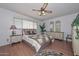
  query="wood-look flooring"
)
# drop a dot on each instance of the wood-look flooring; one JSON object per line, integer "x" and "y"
{"x": 22, "y": 49}
{"x": 62, "y": 47}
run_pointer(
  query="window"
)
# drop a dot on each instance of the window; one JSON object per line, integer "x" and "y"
{"x": 35, "y": 25}
{"x": 29, "y": 24}
{"x": 25, "y": 24}
{"x": 58, "y": 26}
{"x": 51, "y": 26}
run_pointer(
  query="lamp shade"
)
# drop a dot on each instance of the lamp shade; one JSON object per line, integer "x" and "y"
{"x": 13, "y": 27}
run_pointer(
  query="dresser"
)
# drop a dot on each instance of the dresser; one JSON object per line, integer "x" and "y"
{"x": 56, "y": 35}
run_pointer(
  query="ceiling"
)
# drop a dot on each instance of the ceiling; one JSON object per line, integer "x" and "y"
{"x": 58, "y": 9}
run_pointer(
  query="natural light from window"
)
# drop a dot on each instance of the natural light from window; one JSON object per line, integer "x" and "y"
{"x": 25, "y": 24}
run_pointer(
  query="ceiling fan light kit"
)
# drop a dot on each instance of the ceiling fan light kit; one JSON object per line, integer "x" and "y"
{"x": 43, "y": 11}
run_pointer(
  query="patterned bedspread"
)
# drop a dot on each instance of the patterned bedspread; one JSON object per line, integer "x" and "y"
{"x": 37, "y": 41}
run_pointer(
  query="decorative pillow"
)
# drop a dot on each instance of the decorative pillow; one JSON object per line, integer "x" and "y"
{"x": 25, "y": 31}
{"x": 40, "y": 41}
{"x": 33, "y": 32}
{"x": 46, "y": 38}
{"x": 29, "y": 31}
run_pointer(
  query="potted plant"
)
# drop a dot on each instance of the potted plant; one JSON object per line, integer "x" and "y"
{"x": 42, "y": 27}
{"x": 76, "y": 23}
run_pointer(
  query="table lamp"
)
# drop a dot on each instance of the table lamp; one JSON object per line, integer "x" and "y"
{"x": 13, "y": 27}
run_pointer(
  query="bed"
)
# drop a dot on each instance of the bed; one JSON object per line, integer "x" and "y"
{"x": 37, "y": 41}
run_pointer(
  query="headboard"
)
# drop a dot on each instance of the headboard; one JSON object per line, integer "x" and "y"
{"x": 29, "y": 31}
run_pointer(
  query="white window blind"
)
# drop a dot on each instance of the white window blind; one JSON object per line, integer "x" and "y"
{"x": 29, "y": 24}
{"x": 52, "y": 26}
{"x": 58, "y": 26}
{"x": 25, "y": 24}
{"x": 35, "y": 25}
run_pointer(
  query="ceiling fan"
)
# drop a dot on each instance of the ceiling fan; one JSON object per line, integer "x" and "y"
{"x": 43, "y": 10}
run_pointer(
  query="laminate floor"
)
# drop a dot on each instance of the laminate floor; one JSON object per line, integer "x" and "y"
{"x": 22, "y": 49}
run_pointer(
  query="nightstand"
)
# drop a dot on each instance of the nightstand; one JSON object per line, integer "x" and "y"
{"x": 15, "y": 38}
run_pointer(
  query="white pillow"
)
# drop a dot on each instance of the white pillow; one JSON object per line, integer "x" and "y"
{"x": 40, "y": 41}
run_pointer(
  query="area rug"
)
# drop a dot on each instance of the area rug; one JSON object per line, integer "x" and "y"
{"x": 49, "y": 53}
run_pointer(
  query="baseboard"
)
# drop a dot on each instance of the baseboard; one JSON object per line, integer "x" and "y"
{"x": 4, "y": 44}
{"x": 9, "y": 44}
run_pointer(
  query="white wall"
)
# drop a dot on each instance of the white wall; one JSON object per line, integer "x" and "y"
{"x": 66, "y": 22}
{"x": 6, "y": 19}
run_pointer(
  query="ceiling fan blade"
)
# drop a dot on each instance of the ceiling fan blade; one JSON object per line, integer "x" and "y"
{"x": 35, "y": 10}
{"x": 43, "y": 10}
{"x": 44, "y": 6}
{"x": 48, "y": 11}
